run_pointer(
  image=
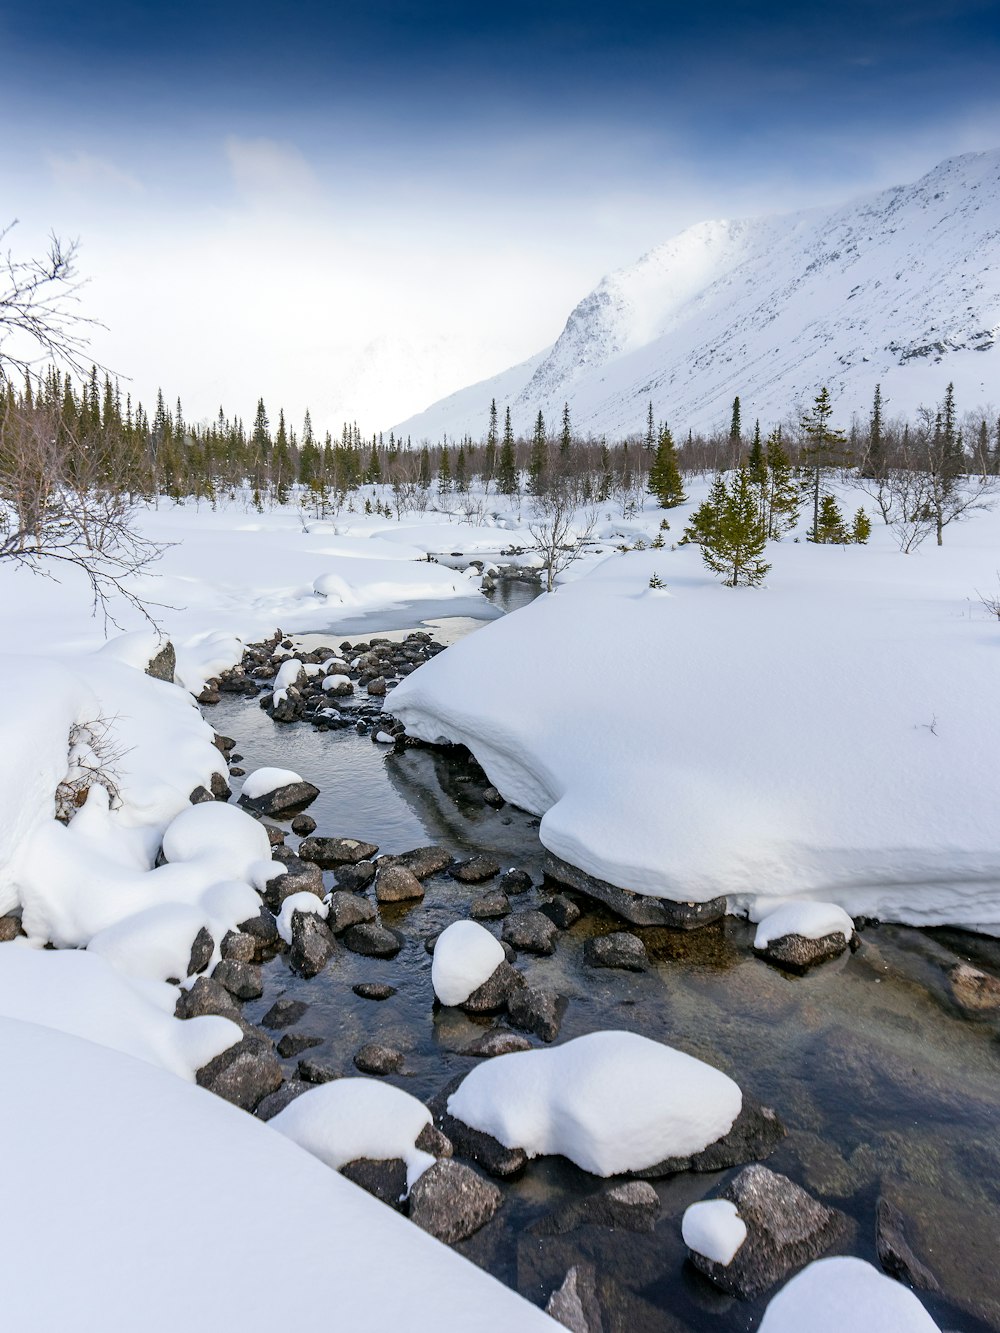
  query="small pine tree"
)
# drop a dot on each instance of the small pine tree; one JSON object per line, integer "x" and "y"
{"x": 861, "y": 528}
{"x": 566, "y": 434}
{"x": 782, "y": 501}
{"x": 650, "y": 432}
{"x": 507, "y": 470}
{"x": 444, "y": 472}
{"x": 704, "y": 521}
{"x": 829, "y": 527}
{"x": 656, "y": 582}
{"x": 665, "y": 475}
{"x": 734, "y": 536}
{"x": 539, "y": 458}
{"x": 824, "y": 448}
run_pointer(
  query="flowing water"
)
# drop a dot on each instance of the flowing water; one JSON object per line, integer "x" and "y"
{"x": 884, "y": 1085}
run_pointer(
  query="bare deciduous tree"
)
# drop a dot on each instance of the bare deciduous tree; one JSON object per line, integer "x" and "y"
{"x": 559, "y": 530}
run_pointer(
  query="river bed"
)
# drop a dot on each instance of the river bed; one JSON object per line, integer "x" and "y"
{"x": 884, "y": 1084}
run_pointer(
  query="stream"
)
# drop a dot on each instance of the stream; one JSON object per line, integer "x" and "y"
{"x": 884, "y": 1084}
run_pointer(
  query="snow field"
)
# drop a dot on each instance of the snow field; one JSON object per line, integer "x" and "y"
{"x": 609, "y": 1101}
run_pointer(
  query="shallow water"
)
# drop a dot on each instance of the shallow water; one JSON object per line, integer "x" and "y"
{"x": 882, "y": 1083}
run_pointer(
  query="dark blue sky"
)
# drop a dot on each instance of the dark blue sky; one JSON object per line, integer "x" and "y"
{"x": 307, "y": 177}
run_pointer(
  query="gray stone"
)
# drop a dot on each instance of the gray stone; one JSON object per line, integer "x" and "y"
{"x": 239, "y": 948}
{"x": 263, "y": 928}
{"x": 242, "y": 980}
{"x": 515, "y": 881}
{"x": 636, "y": 908}
{"x": 375, "y": 1058}
{"x": 207, "y": 996}
{"x": 431, "y": 1140}
{"x": 422, "y": 861}
{"x": 201, "y": 952}
{"x": 475, "y": 870}
{"x": 373, "y": 940}
{"x": 536, "y": 1009}
{"x": 562, "y": 910}
{"x": 313, "y": 944}
{"x": 490, "y": 906}
{"x": 299, "y": 877}
{"x": 894, "y": 1252}
{"x": 497, "y": 1043}
{"x": 374, "y": 990}
{"x": 395, "y": 884}
{"x": 796, "y": 953}
{"x": 274, "y": 1102}
{"x": 10, "y": 928}
{"x": 452, "y": 1202}
{"x": 619, "y": 950}
{"x": 292, "y": 796}
{"x": 632, "y": 1206}
{"x": 244, "y": 1074}
{"x": 385, "y": 1179}
{"x": 493, "y": 798}
{"x": 974, "y": 990}
{"x": 283, "y": 1013}
{"x": 200, "y": 795}
{"x": 347, "y": 909}
{"x": 377, "y": 687}
{"x": 495, "y": 992}
{"x": 575, "y": 1304}
{"x": 786, "y": 1229}
{"x": 474, "y": 1144}
{"x": 330, "y": 852}
{"x": 294, "y": 1043}
{"x": 221, "y": 791}
{"x": 303, "y": 825}
{"x": 355, "y": 878}
{"x": 531, "y": 932}
{"x": 318, "y": 1069}
{"x": 163, "y": 665}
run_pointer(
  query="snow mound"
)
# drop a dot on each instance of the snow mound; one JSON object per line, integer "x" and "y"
{"x": 811, "y": 920}
{"x": 110, "y": 1155}
{"x": 832, "y": 1295}
{"x": 79, "y": 992}
{"x": 609, "y": 1101}
{"x": 298, "y": 902}
{"x": 154, "y": 943}
{"x": 221, "y": 833}
{"x": 465, "y": 956}
{"x": 264, "y": 780}
{"x": 351, "y": 1118}
{"x": 714, "y": 1229}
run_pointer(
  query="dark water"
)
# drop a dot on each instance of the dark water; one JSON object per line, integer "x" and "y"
{"x": 883, "y": 1084}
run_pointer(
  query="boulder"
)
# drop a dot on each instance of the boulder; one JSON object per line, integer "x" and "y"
{"x": 242, "y": 980}
{"x": 621, "y": 949}
{"x": 798, "y": 953}
{"x": 201, "y": 951}
{"x": 283, "y": 1013}
{"x": 373, "y": 940}
{"x": 374, "y": 990}
{"x": 475, "y": 870}
{"x": 298, "y": 877}
{"x": 974, "y": 990}
{"x": 355, "y": 878}
{"x": 330, "y": 852}
{"x": 313, "y": 944}
{"x": 396, "y": 884}
{"x": 385, "y": 1179}
{"x": 495, "y": 992}
{"x": 207, "y": 996}
{"x": 292, "y": 796}
{"x": 199, "y": 795}
{"x": 294, "y": 1043}
{"x": 514, "y": 882}
{"x": 163, "y": 664}
{"x": 452, "y": 1202}
{"x": 421, "y": 861}
{"x": 303, "y": 825}
{"x": 347, "y": 909}
{"x": 786, "y": 1229}
{"x": 240, "y": 948}
{"x": 263, "y": 928}
{"x": 575, "y": 1304}
{"x": 10, "y": 928}
{"x": 318, "y": 1069}
{"x": 497, "y": 1043}
{"x": 562, "y": 910}
{"x": 637, "y": 908}
{"x": 531, "y": 932}
{"x": 536, "y": 1009}
{"x": 221, "y": 791}
{"x": 490, "y": 906}
{"x": 244, "y": 1074}
{"x": 374, "y": 1058}
{"x": 474, "y": 1144}
{"x": 277, "y": 1101}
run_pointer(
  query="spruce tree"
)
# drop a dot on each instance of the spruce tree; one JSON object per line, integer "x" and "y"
{"x": 664, "y": 474}
{"x": 444, "y": 472}
{"x": 490, "y": 452}
{"x": 703, "y": 523}
{"x": 729, "y": 529}
{"x": 782, "y": 500}
{"x": 507, "y": 469}
{"x": 875, "y": 457}
{"x": 736, "y": 433}
{"x": 650, "y": 433}
{"x": 538, "y": 461}
{"x": 565, "y": 435}
{"x": 824, "y": 448}
{"x": 861, "y": 528}
{"x": 830, "y": 525}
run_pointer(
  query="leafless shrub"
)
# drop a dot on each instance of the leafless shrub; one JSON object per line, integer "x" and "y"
{"x": 93, "y": 754}
{"x": 558, "y": 531}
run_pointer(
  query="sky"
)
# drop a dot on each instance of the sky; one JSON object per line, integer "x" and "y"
{"x": 358, "y": 207}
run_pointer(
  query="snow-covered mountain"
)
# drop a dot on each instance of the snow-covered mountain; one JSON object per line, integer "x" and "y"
{"x": 902, "y": 288}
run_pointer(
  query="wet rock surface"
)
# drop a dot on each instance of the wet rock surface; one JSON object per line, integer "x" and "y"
{"x": 452, "y": 1201}
{"x": 798, "y": 953}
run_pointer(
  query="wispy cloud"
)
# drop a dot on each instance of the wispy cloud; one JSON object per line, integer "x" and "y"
{"x": 86, "y": 173}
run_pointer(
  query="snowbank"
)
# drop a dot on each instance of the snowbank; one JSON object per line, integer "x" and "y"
{"x": 832, "y": 1295}
{"x": 830, "y": 736}
{"x": 609, "y": 1101}
{"x": 465, "y": 956}
{"x": 78, "y": 992}
{"x": 351, "y": 1118}
{"x": 113, "y": 1159}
